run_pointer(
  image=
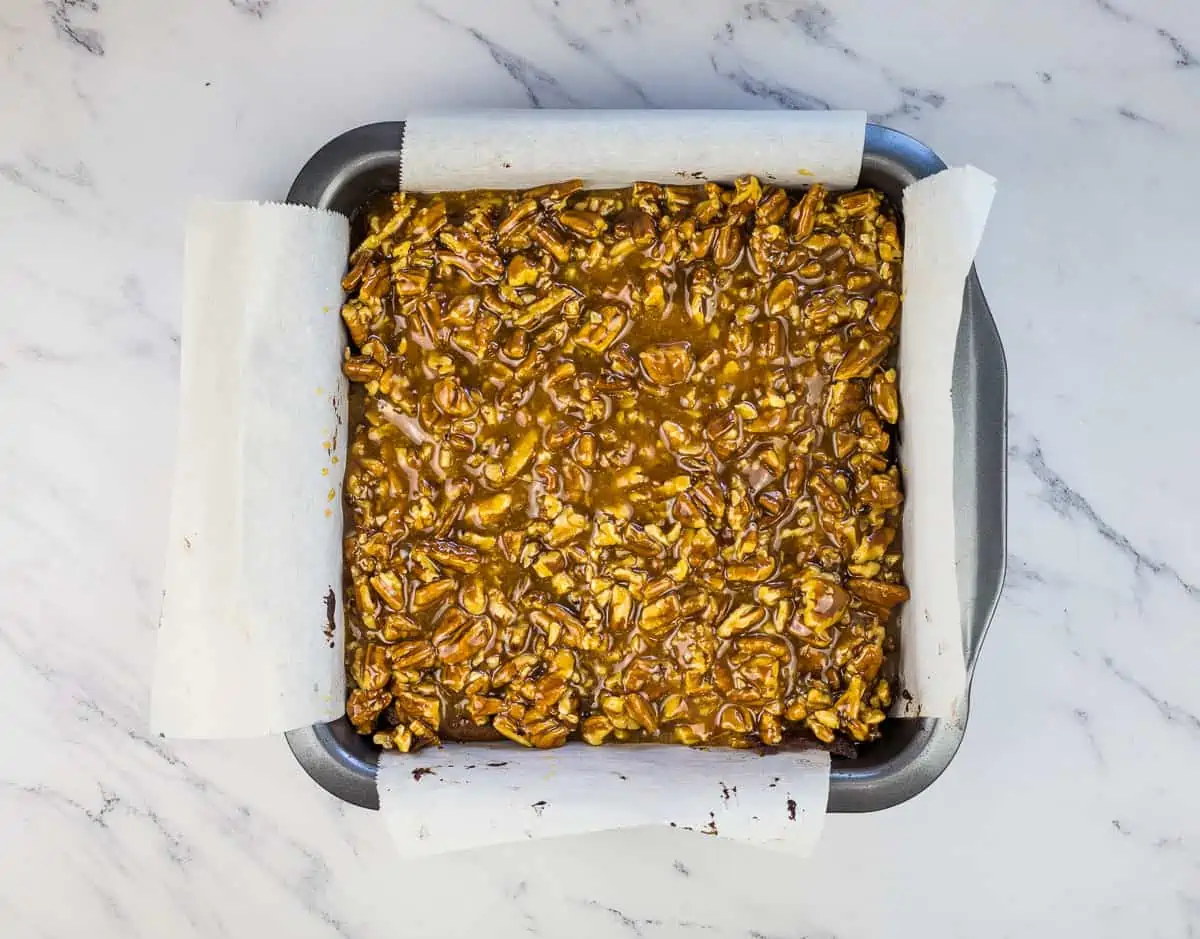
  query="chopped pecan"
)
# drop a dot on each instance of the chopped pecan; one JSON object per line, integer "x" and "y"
{"x": 623, "y": 465}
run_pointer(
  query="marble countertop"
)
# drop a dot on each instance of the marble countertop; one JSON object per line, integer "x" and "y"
{"x": 1070, "y": 809}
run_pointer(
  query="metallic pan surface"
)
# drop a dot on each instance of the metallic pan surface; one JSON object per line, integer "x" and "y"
{"x": 344, "y": 173}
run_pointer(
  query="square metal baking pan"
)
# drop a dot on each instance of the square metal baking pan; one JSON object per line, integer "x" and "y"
{"x": 912, "y": 752}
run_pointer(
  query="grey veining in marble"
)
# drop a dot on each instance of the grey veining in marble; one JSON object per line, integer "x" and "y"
{"x": 1071, "y": 808}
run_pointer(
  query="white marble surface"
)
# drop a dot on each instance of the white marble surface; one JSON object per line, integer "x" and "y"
{"x": 1071, "y": 809}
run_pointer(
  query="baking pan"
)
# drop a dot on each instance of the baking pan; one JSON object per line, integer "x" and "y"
{"x": 912, "y": 752}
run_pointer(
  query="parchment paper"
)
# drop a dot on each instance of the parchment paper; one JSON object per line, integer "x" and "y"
{"x": 250, "y": 640}
{"x": 461, "y": 797}
{"x": 944, "y": 217}
{"x": 255, "y": 532}
{"x": 606, "y": 149}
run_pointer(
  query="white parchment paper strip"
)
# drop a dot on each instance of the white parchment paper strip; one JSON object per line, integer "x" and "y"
{"x": 519, "y": 149}
{"x": 944, "y": 217}
{"x": 462, "y": 797}
{"x": 250, "y": 640}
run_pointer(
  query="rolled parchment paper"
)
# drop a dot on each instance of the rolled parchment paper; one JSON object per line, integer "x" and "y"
{"x": 461, "y": 797}
{"x": 944, "y": 215}
{"x": 250, "y": 640}
{"x": 521, "y": 149}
